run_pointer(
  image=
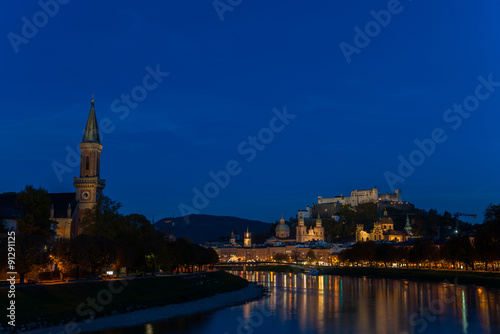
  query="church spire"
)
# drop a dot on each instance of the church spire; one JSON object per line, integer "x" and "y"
{"x": 91, "y": 134}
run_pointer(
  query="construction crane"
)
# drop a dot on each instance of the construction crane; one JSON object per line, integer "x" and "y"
{"x": 458, "y": 214}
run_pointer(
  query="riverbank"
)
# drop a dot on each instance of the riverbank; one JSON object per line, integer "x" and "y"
{"x": 137, "y": 318}
{"x": 74, "y": 306}
{"x": 277, "y": 268}
{"x": 480, "y": 278}
{"x": 486, "y": 279}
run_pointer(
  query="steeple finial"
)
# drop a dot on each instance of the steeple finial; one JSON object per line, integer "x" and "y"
{"x": 91, "y": 134}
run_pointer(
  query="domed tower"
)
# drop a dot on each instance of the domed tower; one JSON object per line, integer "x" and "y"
{"x": 301, "y": 231}
{"x": 247, "y": 240}
{"x": 282, "y": 230}
{"x": 89, "y": 185}
{"x": 319, "y": 230}
{"x": 386, "y": 222}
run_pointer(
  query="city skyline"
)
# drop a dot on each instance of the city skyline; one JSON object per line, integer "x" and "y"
{"x": 180, "y": 91}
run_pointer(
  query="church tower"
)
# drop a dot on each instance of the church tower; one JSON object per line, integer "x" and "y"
{"x": 247, "y": 240}
{"x": 319, "y": 230}
{"x": 408, "y": 228}
{"x": 301, "y": 231}
{"x": 232, "y": 239}
{"x": 89, "y": 185}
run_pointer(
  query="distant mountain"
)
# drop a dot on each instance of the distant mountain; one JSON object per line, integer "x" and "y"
{"x": 202, "y": 228}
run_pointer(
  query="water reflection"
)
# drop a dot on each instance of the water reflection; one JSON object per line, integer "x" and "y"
{"x": 300, "y": 303}
{"x": 346, "y": 304}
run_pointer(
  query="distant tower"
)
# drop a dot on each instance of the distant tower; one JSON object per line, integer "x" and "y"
{"x": 301, "y": 231}
{"x": 319, "y": 230}
{"x": 408, "y": 228}
{"x": 282, "y": 230}
{"x": 360, "y": 228}
{"x": 378, "y": 232}
{"x": 232, "y": 240}
{"x": 89, "y": 185}
{"x": 399, "y": 193}
{"x": 247, "y": 241}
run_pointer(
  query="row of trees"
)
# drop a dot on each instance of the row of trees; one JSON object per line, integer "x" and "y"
{"x": 108, "y": 239}
{"x": 295, "y": 256}
{"x": 460, "y": 250}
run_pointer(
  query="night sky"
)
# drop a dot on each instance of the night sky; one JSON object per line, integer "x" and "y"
{"x": 355, "y": 93}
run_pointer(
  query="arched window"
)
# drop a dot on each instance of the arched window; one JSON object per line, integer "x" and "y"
{"x": 87, "y": 162}
{"x": 98, "y": 166}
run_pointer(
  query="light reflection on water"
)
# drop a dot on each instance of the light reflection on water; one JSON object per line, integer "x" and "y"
{"x": 300, "y": 303}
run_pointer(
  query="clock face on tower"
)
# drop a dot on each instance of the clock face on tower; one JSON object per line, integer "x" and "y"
{"x": 85, "y": 195}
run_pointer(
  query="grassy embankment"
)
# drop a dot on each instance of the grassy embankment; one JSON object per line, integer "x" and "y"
{"x": 58, "y": 303}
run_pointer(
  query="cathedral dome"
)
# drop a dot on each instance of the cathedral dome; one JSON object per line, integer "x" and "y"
{"x": 282, "y": 227}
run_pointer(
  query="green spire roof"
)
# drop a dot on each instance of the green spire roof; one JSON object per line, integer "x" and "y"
{"x": 91, "y": 134}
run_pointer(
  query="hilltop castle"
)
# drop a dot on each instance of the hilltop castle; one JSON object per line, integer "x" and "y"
{"x": 330, "y": 207}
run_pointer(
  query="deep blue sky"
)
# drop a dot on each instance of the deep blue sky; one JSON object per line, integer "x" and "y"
{"x": 225, "y": 77}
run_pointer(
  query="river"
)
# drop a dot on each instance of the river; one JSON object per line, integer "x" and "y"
{"x": 301, "y": 303}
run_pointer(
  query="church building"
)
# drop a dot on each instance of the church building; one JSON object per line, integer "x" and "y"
{"x": 383, "y": 229}
{"x": 305, "y": 234}
{"x": 67, "y": 209}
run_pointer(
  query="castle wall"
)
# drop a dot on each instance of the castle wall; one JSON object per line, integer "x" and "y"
{"x": 362, "y": 196}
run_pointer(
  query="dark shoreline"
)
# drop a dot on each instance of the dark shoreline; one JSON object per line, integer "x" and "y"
{"x": 484, "y": 279}
{"x": 479, "y": 278}
{"x": 42, "y": 306}
{"x": 140, "y": 317}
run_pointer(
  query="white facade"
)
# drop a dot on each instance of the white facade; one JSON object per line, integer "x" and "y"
{"x": 305, "y": 214}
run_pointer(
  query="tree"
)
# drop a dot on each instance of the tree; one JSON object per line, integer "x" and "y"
{"x": 64, "y": 256}
{"x": 35, "y": 213}
{"x": 487, "y": 238}
{"x": 364, "y": 213}
{"x": 104, "y": 220}
{"x": 459, "y": 249}
{"x": 35, "y": 231}
{"x": 311, "y": 256}
{"x": 31, "y": 253}
{"x": 295, "y": 255}
{"x": 280, "y": 257}
{"x": 214, "y": 257}
{"x": 385, "y": 253}
{"x": 94, "y": 252}
{"x": 424, "y": 251}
